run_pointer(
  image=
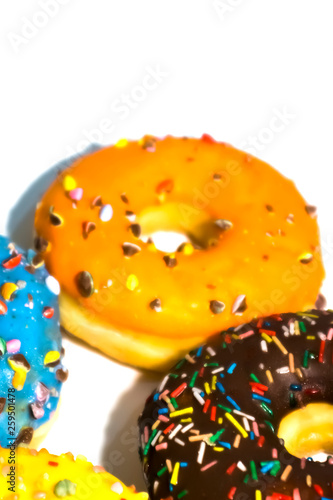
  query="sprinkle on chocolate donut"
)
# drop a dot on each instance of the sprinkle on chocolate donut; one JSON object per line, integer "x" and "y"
{"x": 215, "y": 428}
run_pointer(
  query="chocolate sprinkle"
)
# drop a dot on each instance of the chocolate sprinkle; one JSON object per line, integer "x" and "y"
{"x": 42, "y": 392}
{"x": 136, "y": 230}
{"x": 37, "y": 410}
{"x": 85, "y": 284}
{"x": 97, "y": 202}
{"x": 87, "y": 228}
{"x": 149, "y": 142}
{"x": 223, "y": 224}
{"x": 2, "y": 404}
{"x": 311, "y": 210}
{"x": 30, "y": 269}
{"x": 155, "y": 305}
{"x": 181, "y": 246}
{"x": 239, "y": 305}
{"x": 170, "y": 261}
{"x": 216, "y": 306}
{"x": 3, "y": 348}
{"x": 130, "y": 215}
{"x": 55, "y": 219}
{"x": 25, "y": 436}
{"x": 307, "y": 259}
{"x": 20, "y": 360}
{"x": 321, "y": 302}
{"x": 53, "y": 364}
{"x": 130, "y": 249}
{"x": 61, "y": 375}
{"x": 41, "y": 244}
{"x": 124, "y": 198}
{"x": 269, "y": 208}
{"x": 37, "y": 261}
{"x": 230, "y": 395}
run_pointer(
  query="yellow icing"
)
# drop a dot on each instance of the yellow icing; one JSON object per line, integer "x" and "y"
{"x": 37, "y": 477}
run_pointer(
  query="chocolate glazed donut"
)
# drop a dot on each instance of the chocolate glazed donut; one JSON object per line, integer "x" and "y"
{"x": 239, "y": 417}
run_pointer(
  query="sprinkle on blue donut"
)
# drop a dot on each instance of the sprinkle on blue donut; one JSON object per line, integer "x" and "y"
{"x": 31, "y": 370}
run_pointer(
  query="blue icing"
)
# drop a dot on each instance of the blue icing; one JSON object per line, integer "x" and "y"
{"x": 24, "y": 321}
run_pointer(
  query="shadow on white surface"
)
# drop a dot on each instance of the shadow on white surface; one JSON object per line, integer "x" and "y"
{"x": 120, "y": 454}
{"x": 20, "y": 227}
{"x": 118, "y": 450}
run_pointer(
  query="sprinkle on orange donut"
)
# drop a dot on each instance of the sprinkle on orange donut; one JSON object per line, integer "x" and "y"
{"x": 252, "y": 245}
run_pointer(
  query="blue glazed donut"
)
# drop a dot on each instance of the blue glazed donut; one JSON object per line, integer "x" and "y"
{"x": 31, "y": 371}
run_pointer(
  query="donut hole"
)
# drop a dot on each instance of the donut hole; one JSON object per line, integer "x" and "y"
{"x": 170, "y": 225}
{"x": 308, "y": 432}
{"x": 166, "y": 241}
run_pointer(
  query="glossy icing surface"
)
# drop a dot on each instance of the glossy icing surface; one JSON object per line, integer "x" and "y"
{"x": 255, "y": 245}
{"x": 210, "y": 430}
{"x": 45, "y": 476}
{"x": 31, "y": 371}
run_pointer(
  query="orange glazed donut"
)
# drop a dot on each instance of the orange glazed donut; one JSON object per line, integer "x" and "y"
{"x": 253, "y": 246}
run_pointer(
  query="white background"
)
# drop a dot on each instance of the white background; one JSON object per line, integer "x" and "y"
{"x": 224, "y": 69}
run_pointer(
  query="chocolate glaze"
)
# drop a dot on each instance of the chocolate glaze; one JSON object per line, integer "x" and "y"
{"x": 239, "y": 472}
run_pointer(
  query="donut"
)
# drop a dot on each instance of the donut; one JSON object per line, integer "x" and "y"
{"x": 28, "y": 474}
{"x": 251, "y": 246}
{"x": 31, "y": 370}
{"x": 246, "y": 415}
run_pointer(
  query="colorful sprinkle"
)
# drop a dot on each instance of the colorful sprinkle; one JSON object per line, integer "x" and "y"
{"x": 122, "y": 143}
{"x": 53, "y": 285}
{"x": 194, "y": 394}
{"x": 12, "y": 262}
{"x": 64, "y": 488}
{"x": 106, "y": 213}
{"x": 13, "y": 346}
{"x": 48, "y": 312}
{"x": 132, "y": 282}
{"x": 3, "y": 308}
{"x": 3, "y": 346}
{"x": 7, "y": 290}
{"x": 51, "y": 358}
{"x": 69, "y": 183}
{"x": 76, "y": 194}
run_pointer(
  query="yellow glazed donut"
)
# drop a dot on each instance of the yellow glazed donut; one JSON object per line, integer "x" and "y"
{"x": 31, "y": 475}
{"x": 252, "y": 249}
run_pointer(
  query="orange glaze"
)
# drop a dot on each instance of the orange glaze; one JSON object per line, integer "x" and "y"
{"x": 270, "y": 254}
